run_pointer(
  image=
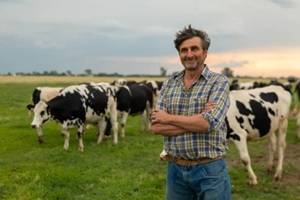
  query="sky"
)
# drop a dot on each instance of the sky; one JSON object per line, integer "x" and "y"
{"x": 251, "y": 37}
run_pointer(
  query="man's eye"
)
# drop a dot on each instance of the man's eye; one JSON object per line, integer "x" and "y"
{"x": 195, "y": 48}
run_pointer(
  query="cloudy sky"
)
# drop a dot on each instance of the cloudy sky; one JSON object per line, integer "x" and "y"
{"x": 252, "y": 37}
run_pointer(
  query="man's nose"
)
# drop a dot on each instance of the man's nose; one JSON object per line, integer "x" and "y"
{"x": 189, "y": 54}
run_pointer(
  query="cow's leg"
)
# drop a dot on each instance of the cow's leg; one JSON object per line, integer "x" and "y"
{"x": 123, "y": 123}
{"x": 66, "y": 134}
{"x": 40, "y": 135}
{"x": 80, "y": 132}
{"x": 281, "y": 143}
{"x": 272, "y": 149}
{"x": 143, "y": 119}
{"x": 244, "y": 154}
{"x": 146, "y": 126}
{"x": 107, "y": 129}
{"x": 114, "y": 123}
{"x": 148, "y": 110}
{"x": 101, "y": 129}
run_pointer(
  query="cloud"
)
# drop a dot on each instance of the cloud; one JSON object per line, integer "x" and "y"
{"x": 285, "y": 3}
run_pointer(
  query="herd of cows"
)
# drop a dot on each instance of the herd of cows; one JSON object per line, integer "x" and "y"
{"x": 257, "y": 111}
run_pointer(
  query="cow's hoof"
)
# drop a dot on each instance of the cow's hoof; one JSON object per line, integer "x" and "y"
{"x": 41, "y": 141}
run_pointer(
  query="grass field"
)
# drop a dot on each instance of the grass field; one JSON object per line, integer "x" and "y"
{"x": 129, "y": 170}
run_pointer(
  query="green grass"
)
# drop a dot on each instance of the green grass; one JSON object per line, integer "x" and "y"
{"x": 129, "y": 170}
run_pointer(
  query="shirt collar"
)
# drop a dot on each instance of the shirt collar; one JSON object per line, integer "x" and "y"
{"x": 206, "y": 73}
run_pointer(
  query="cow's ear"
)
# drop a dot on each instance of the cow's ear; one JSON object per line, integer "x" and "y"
{"x": 30, "y": 107}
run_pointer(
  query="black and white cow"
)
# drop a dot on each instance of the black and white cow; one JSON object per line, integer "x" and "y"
{"x": 236, "y": 85}
{"x": 79, "y": 104}
{"x": 134, "y": 99}
{"x": 256, "y": 114}
{"x": 42, "y": 94}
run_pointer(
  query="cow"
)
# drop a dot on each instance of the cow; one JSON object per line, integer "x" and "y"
{"x": 235, "y": 85}
{"x": 132, "y": 100}
{"x": 76, "y": 105}
{"x": 42, "y": 94}
{"x": 256, "y": 114}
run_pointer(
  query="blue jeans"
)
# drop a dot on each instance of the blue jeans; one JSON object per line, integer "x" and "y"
{"x": 209, "y": 181}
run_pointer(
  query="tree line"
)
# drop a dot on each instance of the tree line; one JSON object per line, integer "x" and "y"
{"x": 228, "y": 72}
{"x": 87, "y": 72}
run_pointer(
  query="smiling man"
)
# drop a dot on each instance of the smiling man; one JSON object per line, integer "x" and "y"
{"x": 190, "y": 114}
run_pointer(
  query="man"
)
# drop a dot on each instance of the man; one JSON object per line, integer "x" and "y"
{"x": 190, "y": 114}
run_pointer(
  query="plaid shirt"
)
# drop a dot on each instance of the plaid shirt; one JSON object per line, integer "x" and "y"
{"x": 175, "y": 100}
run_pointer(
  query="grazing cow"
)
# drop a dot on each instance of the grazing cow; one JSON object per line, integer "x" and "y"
{"x": 79, "y": 104}
{"x": 42, "y": 94}
{"x": 256, "y": 114}
{"x": 134, "y": 99}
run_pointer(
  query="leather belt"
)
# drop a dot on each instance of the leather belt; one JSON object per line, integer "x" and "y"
{"x": 187, "y": 163}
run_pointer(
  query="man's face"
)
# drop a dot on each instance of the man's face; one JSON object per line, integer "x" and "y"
{"x": 191, "y": 54}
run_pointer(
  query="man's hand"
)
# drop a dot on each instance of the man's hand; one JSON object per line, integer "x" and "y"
{"x": 208, "y": 106}
{"x": 159, "y": 116}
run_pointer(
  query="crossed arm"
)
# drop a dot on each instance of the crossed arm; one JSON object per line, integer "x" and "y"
{"x": 163, "y": 123}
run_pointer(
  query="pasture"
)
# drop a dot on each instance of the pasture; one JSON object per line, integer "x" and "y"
{"x": 129, "y": 170}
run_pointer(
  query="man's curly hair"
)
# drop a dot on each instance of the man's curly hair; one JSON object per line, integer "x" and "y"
{"x": 189, "y": 32}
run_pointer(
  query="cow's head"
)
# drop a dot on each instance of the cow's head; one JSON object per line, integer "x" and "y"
{"x": 41, "y": 114}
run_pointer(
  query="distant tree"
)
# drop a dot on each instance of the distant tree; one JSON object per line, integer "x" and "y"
{"x": 35, "y": 73}
{"x": 227, "y": 72}
{"x": 46, "y": 73}
{"x": 68, "y": 73}
{"x": 53, "y": 73}
{"x": 163, "y": 71}
{"x": 88, "y": 72}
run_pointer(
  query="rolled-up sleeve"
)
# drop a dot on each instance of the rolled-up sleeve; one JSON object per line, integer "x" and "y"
{"x": 220, "y": 95}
